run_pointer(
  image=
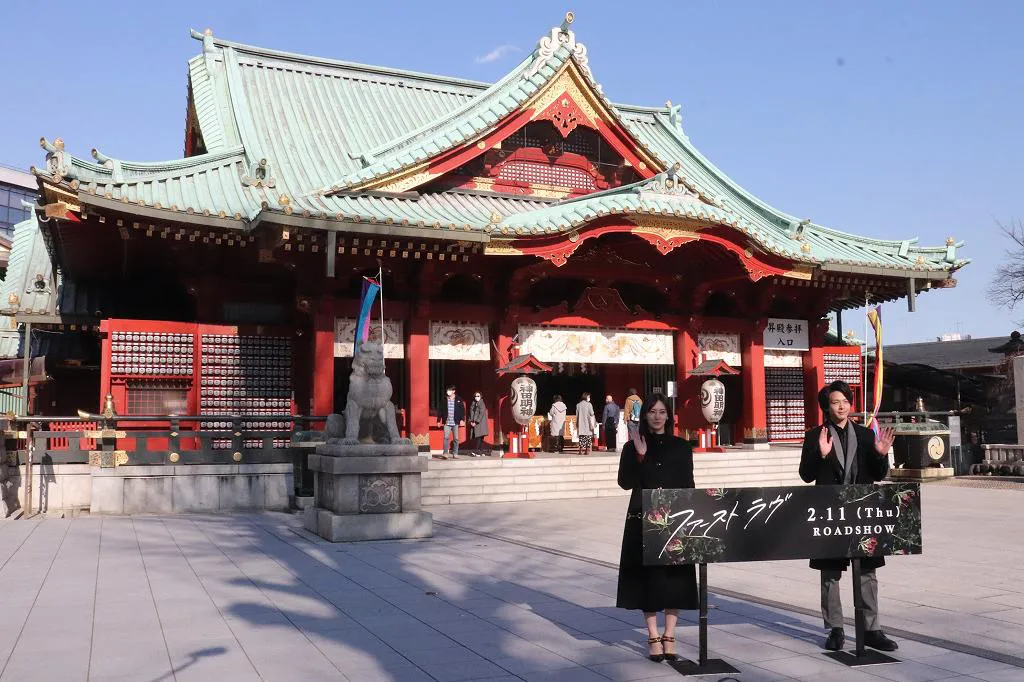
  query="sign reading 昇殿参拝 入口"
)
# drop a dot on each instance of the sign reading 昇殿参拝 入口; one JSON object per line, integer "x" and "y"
{"x": 782, "y": 334}
{"x": 710, "y": 525}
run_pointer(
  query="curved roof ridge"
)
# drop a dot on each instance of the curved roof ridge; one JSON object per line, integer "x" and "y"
{"x": 256, "y": 51}
{"x": 107, "y": 169}
{"x": 458, "y": 112}
{"x": 714, "y": 170}
{"x": 204, "y": 103}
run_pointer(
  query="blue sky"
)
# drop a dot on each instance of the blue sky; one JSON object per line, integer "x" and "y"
{"x": 885, "y": 119}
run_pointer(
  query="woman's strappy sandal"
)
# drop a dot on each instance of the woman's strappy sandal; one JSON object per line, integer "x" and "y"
{"x": 657, "y": 658}
{"x": 669, "y": 656}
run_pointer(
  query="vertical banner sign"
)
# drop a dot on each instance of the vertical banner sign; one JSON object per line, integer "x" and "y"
{"x": 370, "y": 289}
{"x": 712, "y": 400}
{"x": 687, "y": 526}
{"x": 875, "y": 318}
{"x": 524, "y": 399}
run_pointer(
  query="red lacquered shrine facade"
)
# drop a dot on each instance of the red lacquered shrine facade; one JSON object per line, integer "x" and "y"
{"x": 532, "y": 212}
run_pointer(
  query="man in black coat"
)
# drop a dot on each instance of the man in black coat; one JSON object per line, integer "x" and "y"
{"x": 843, "y": 453}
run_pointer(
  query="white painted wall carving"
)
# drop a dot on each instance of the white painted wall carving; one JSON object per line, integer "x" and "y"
{"x": 600, "y": 346}
{"x": 459, "y": 341}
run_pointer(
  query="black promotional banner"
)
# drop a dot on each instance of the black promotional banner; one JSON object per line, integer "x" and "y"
{"x": 708, "y": 525}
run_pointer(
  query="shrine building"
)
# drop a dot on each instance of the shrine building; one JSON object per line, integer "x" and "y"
{"x": 531, "y": 215}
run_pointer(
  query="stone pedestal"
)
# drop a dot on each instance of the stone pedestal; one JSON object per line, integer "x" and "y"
{"x": 367, "y": 491}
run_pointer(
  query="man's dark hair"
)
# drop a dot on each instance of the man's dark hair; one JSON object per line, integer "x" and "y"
{"x": 824, "y": 394}
{"x": 651, "y": 401}
{"x": 632, "y": 391}
{"x": 557, "y": 398}
{"x": 450, "y": 388}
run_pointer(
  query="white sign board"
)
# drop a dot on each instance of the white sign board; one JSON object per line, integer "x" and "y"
{"x": 786, "y": 334}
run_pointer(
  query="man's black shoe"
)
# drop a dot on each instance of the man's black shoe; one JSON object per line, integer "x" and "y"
{"x": 836, "y": 639}
{"x": 876, "y": 639}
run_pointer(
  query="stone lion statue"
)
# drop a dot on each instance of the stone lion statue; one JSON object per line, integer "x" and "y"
{"x": 369, "y": 396}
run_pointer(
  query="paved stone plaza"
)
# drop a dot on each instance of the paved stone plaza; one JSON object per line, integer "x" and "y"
{"x": 258, "y": 598}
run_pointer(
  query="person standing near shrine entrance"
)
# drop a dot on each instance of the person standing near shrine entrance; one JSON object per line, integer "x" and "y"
{"x": 610, "y": 420}
{"x": 478, "y": 427}
{"x": 840, "y": 452}
{"x": 586, "y": 423}
{"x": 556, "y": 422}
{"x": 453, "y": 416}
{"x": 632, "y": 410}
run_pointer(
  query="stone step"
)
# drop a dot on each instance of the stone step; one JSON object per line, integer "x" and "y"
{"x": 510, "y": 480}
{"x": 511, "y": 492}
{"x": 703, "y": 478}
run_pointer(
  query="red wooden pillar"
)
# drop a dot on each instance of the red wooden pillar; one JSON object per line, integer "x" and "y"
{"x": 814, "y": 372}
{"x": 755, "y": 405}
{"x": 417, "y": 350}
{"x": 508, "y": 327}
{"x": 687, "y": 352}
{"x": 323, "y": 358}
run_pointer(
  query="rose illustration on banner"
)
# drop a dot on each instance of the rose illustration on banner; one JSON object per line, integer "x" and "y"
{"x": 717, "y": 493}
{"x": 868, "y": 545}
{"x": 903, "y": 497}
{"x": 659, "y": 517}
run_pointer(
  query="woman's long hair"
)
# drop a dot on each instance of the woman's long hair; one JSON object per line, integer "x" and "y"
{"x": 653, "y": 399}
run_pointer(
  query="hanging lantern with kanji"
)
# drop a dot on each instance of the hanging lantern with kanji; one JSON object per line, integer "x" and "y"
{"x": 712, "y": 400}
{"x": 524, "y": 399}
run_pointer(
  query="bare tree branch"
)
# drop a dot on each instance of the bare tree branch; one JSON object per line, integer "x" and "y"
{"x": 1006, "y": 289}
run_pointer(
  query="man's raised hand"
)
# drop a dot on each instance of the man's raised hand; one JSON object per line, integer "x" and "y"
{"x": 824, "y": 441}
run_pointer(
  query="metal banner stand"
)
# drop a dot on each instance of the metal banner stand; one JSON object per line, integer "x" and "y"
{"x": 859, "y": 656}
{"x": 703, "y": 666}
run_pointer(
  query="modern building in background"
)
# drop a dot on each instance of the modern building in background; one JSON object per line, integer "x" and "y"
{"x": 16, "y": 188}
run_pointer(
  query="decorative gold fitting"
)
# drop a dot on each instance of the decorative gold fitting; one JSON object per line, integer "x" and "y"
{"x": 173, "y": 457}
{"x": 237, "y": 456}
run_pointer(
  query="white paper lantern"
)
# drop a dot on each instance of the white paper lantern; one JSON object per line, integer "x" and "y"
{"x": 524, "y": 399}
{"x": 712, "y": 400}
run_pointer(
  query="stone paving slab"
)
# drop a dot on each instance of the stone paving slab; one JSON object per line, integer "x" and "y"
{"x": 256, "y": 597}
{"x": 967, "y": 587}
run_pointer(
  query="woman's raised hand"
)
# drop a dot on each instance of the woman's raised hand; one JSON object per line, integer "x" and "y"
{"x": 641, "y": 446}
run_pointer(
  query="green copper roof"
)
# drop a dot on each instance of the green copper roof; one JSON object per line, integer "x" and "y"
{"x": 285, "y": 134}
{"x": 29, "y": 264}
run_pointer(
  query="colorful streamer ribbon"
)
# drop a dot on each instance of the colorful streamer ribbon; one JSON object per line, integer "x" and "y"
{"x": 370, "y": 289}
{"x": 875, "y": 318}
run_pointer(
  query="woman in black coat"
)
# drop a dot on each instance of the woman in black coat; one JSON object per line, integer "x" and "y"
{"x": 654, "y": 459}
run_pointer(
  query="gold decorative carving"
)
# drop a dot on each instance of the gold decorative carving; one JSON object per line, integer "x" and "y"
{"x": 96, "y": 457}
{"x": 501, "y": 247}
{"x": 236, "y": 456}
{"x": 667, "y": 229}
{"x": 173, "y": 457}
{"x": 803, "y": 272}
{"x": 416, "y": 176}
{"x": 420, "y": 439}
{"x": 570, "y": 82}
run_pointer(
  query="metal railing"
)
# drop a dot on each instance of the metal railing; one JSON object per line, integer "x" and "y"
{"x": 154, "y": 440}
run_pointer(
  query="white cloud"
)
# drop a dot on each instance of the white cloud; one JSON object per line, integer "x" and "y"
{"x": 496, "y": 54}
